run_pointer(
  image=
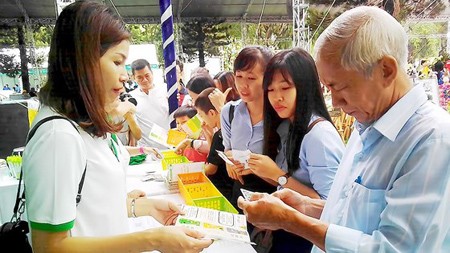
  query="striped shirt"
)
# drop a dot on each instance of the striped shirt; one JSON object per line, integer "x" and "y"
{"x": 392, "y": 190}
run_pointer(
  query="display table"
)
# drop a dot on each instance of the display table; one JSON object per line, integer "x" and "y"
{"x": 159, "y": 190}
{"x": 8, "y": 191}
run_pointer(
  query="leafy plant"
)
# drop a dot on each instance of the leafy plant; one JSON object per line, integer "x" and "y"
{"x": 8, "y": 66}
{"x": 204, "y": 37}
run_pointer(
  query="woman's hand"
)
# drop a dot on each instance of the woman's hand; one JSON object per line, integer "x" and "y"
{"x": 264, "y": 166}
{"x": 153, "y": 151}
{"x": 208, "y": 132}
{"x": 164, "y": 211}
{"x": 134, "y": 194}
{"x": 180, "y": 239}
{"x": 234, "y": 171}
{"x": 124, "y": 108}
{"x": 218, "y": 98}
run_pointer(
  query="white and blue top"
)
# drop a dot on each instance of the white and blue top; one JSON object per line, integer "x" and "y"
{"x": 320, "y": 154}
{"x": 392, "y": 189}
{"x": 241, "y": 134}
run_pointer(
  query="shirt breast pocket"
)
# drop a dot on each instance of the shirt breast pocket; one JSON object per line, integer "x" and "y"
{"x": 365, "y": 207}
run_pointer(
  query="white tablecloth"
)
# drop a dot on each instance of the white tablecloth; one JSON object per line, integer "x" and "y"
{"x": 8, "y": 191}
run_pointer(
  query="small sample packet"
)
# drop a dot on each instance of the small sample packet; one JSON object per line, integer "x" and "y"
{"x": 246, "y": 194}
{"x": 153, "y": 177}
{"x": 224, "y": 157}
{"x": 242, "y": 156}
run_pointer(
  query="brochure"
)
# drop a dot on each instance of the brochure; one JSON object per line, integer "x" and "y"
{"x": 159, "y": 135}
{"x": 174, "y": 137}
{"x": 217, "y": 225}
{"x": 193, "y": 127}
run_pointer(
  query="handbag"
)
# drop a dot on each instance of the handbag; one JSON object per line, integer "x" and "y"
{"x": 14, "y": 234}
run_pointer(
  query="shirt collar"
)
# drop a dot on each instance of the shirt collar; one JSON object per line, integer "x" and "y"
{"x": 360, "y": 127}
{"x": 283, "y": 128}
{"x": 396, "y": 117}
{"x": 240, "y": 105}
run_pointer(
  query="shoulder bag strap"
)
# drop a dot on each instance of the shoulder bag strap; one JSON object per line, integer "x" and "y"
{"x": 30, "y": 135}
{"x": 231, "y": 114}
{"x": 314, "y": 123}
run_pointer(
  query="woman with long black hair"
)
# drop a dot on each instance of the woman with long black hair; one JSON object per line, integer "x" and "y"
{"x": 302, "y": 148}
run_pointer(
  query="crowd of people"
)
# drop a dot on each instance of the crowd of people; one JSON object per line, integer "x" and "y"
{"x": 16, "y": 88}
{"x": 386, "y": 190}
{"x": 430, "y": 69}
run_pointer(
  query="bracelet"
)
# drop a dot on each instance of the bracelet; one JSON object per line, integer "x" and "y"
{"x": 141, "y": 150}
{"x": 133, "y": 206}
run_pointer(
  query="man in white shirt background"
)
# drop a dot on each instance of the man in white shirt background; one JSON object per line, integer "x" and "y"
{"x": 152, "y": 104}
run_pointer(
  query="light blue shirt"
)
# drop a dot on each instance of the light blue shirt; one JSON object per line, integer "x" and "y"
{"x": 241, "y": 134}
{"x": 392, "y": 190}
{"x": 320, "y": 154}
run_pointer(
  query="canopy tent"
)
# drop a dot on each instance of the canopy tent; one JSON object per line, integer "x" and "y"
{"x": 147, "y": 11}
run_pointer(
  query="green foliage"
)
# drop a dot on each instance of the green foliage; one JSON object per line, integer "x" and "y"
{"x": 204, "y": 37}
{"x": 8, "y": 36}
{"x": 229, "y": 52}
{"x": 445, "y": 56}
{"x": 407, "y": 8}
{"x": 422, "y": 44}
{"x": 148, "y": 34}
{"x": 42, "y": 35}
{"x": 420, "y": 9}
{"x": 8, "y": 66}
{"x": 318, "y": 19}
{"x": 276, "y": 36}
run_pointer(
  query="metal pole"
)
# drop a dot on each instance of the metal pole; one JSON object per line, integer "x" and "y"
{"x": 300, "y": 36}
{"x": 165, "y": 7}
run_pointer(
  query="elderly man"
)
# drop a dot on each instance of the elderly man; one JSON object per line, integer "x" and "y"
{"x": 152, "y": 104}
{"x": 392, "y": 190}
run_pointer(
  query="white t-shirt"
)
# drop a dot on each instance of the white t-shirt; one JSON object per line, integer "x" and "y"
{"x": 53, "y": 163}
{"x": 152, "y": 108}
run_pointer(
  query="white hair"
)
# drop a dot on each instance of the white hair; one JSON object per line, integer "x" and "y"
{"x": 364, "y": 35}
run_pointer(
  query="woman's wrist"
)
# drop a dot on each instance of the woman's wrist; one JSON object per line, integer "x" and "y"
{"x": 279, "y": 172}
{"x": 150, "y": 239}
